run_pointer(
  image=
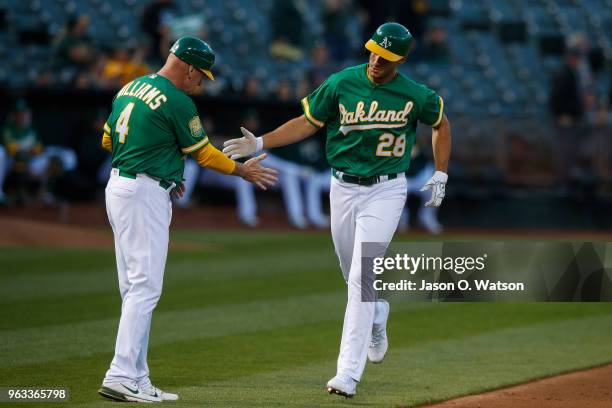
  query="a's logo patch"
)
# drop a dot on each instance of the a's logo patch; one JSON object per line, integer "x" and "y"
{"x": 385, "y": 43}
{"x": 195, "y": 126}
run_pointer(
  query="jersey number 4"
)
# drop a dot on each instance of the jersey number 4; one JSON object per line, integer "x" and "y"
{"x": 389, "y": 145}
{"x": 122, "y": 123}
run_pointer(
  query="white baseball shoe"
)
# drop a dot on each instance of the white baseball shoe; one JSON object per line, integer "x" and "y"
{"x": 379, "y": 343}
{"x": 156, "y": 392}
{"x": 342, "y": 385}
{"x": 126, "y": 392}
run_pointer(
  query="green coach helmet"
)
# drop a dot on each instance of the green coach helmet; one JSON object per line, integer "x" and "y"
{"x": 392, "y": 41}
{"x": 195, "y": 52}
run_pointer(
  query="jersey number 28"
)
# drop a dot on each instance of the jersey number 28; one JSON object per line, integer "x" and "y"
{"x": 122, "y": 123}
{"x": 389, "y": 145}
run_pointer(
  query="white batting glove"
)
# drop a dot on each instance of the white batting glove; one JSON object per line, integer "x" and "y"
{"x": 437, "y": 185}
{"x": 245, "y": 146}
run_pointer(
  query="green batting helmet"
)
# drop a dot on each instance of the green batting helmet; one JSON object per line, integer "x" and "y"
{"x": 392, "y": 41}
{"x": 195, "y": 52}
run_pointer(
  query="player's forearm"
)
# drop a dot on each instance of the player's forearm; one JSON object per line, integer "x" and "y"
{"x": 441, "y": 144}
{"x": 291, "y": 132}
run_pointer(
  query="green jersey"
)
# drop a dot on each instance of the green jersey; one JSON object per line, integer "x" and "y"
{"x": 371, "y": 128}
{"x": 21, "y": 141}
{"x": 153, "y": 126}
{"x": 24, "y": 137}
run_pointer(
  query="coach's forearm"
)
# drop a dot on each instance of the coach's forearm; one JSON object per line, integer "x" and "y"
{"x": 291, "y": 132}
{"x": 441, "y": 144}
{"x": 208, "y": 156}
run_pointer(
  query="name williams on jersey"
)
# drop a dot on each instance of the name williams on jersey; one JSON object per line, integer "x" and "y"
{"x": 145, "y": 92}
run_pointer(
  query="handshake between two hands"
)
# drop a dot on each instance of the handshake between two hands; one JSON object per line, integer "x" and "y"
{"x": 252, "y": 170}
{"x": 248, "y": 144}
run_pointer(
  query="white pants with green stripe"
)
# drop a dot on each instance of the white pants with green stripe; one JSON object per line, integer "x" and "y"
{"x": 361, "y": 214}
{"x": 139, "y": 211}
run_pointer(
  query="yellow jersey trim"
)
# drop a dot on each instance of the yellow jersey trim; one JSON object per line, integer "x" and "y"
{"x": 440, "y": 114}
{"x": 196, "y": 146}
{"x": 107, "y": 128}
{"x": 371, "y": 45}
{"x": 214, "y": 159}
{"x": 309, "y": 116}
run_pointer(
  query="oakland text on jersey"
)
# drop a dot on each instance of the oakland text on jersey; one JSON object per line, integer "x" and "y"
{"x": 361, "y": 121}
{"x": 145, "y": 92}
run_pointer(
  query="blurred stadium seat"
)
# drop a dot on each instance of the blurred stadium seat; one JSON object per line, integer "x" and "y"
{"x": 502, "y": 39}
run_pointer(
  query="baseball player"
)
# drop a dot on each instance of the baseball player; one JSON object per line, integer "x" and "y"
{"x": 152, "y": 127}
{"x": 22, "y": 146}
{"x": 371, "y": 113}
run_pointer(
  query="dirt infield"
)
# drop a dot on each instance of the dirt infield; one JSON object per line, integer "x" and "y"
{"x": 43, "y": 230}
{"x": 94, "y": 215}
{"x": 589, "y": 389}
{"x": 19, "y": 232}
{"x": 86, "y": 226}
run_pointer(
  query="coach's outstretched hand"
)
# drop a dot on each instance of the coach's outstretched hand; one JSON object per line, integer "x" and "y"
{"x": 252, "y": 171}
{"x": 245, "y": 146}
{"x": 437, "y": 185}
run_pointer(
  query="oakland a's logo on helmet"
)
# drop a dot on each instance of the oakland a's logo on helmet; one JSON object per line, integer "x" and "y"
{"x": 385, "y": 43}
{"x": 392, "y": 41}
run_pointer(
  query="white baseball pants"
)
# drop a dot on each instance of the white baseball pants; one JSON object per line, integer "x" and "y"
{"x": 361, "y": 214}
{"x": 139, "y": 211}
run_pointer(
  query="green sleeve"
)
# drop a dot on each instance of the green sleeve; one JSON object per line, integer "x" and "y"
{"x": 321, "y": 105}
{"x": 432, "y": 109}
{"x": 187, "y": 127}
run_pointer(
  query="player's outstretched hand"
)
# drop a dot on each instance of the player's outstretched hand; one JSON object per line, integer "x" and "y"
{"x": 262, "y": 177}
{"x": 437, "y": 185}
{"x": 245, "y": 146}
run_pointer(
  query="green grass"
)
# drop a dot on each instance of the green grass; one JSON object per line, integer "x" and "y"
{"x": 253, "y": 319}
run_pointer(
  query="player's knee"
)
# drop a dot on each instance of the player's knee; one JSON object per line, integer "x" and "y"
{"x": 155, "y": 290}
{"x": 355, "y": 280}
{"x": 146, "y": 289}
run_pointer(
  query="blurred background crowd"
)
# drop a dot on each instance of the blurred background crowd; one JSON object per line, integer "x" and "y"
{"x": 527, "y": 87}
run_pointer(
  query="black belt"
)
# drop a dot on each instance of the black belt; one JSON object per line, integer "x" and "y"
{"x": 364, "y": 181}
